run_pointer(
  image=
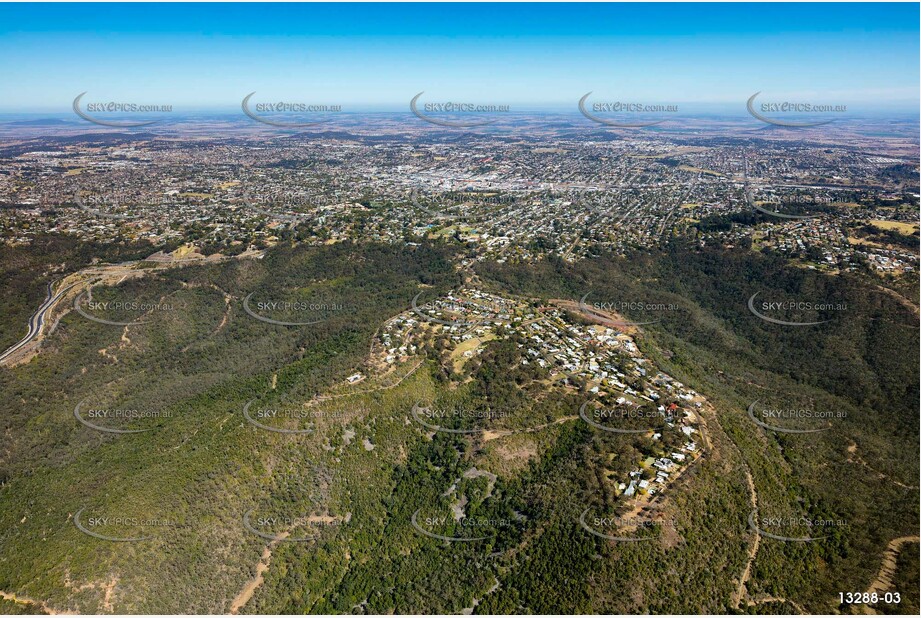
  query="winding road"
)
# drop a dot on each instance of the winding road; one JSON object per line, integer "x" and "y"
{"x": 37, "y": 321}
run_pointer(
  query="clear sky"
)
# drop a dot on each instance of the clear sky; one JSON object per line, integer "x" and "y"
{"x": 372, "y": 55}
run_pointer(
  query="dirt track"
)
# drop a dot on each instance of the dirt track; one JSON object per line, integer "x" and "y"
{"x": 883, "y": 581}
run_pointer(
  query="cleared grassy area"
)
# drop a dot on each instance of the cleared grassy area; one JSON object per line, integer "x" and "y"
{"x": 699, "y": 170}
{"x": 900, "y": 226}
{"x": 457, "y": 355}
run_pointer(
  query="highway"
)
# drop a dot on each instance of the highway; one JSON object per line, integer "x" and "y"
{"x": 37, "y": 321}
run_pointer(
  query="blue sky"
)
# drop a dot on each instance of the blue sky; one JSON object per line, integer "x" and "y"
{"x": 525, "y": 55}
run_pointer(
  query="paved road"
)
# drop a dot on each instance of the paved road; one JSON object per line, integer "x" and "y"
{"x": 37, "y": 321}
